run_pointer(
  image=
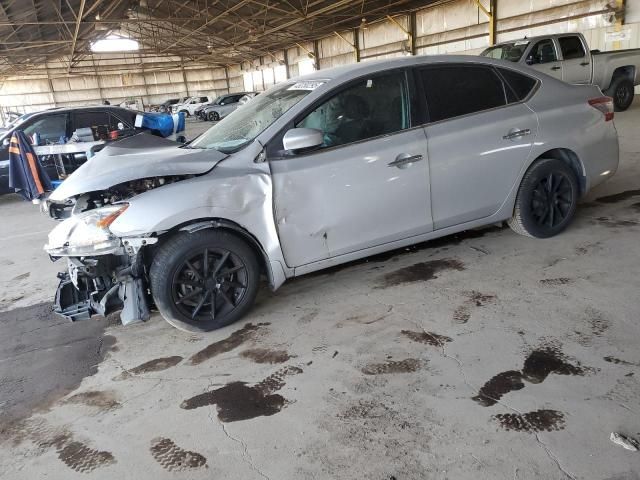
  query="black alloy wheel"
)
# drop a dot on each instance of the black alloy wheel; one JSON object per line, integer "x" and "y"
{"x": 546, "y": 200}
{"x": 204, "y": 280}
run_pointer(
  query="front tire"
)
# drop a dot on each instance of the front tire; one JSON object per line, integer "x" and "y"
{"x": 204, "y": 280}
{"x": 622, "y": 92}
{"x": 546, "y": 201}
{"x": 214, "y": 116}
{"x": 186, "y": 113}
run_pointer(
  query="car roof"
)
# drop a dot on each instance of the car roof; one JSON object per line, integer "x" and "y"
{"x": 537, "y": 37}
{"x": 351, "y": 71}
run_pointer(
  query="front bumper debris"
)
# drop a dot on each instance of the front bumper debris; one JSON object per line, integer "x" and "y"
{"x": 103, "y": 285}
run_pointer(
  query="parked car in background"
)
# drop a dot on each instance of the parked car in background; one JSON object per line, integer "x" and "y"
{"x": 325, "y": 169}
{"x": 55, "y": 123}
{"x": 190, "y": 105}
{"x": 223, "y": 107}
{"x": 226, "y": 99}
{"x": 567, "y": 57}
{"x": 165, "y": 107}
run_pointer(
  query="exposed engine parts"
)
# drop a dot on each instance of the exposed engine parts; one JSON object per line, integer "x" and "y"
{"x": 117, "y": 193}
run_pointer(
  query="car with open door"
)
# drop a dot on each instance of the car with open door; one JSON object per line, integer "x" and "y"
{"x": 322, "y": 170}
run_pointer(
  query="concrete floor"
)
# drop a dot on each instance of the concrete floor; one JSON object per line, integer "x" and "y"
{"x": 480, "y": 356}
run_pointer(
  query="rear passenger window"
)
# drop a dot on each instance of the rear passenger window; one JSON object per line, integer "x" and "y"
{"x": 571, "y": 47}
{"x": 458, "y": 90}
{"x": 368, "y": 108}
{"x": 519, "y": 85}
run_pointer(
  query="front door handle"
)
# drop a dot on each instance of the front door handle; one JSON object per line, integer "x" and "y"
{"x": 556, "y": 68}
{"x": 517, "y": 134}
{"x": 404, "y": 160}
{"x": 584, "y": 64}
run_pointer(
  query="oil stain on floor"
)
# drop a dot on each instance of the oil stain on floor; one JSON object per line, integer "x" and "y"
{"x": 264, "y": 355}
{"x": 475, "y": 299}
{"x": 173, "y": 458}
{"x": 421, "y": 272}
{"x": 428, "y": 338}
{"x": 536, "y": 421}
{"x": 75, "y": 454}
{"x": 618, "y": 197}
{"x": 407, "y": 365}
{"x": 233, "y": 341}
{"x": 104, "y": 400}
{"x": 238, "y": 401}
{"x": 538, "y": 365}
{"x": 155, "y": 365}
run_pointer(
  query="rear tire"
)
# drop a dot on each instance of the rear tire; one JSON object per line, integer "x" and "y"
{"x": 622, "y": 92}
{"x": 204, "y": 280}
{"x": 546, "y": 200}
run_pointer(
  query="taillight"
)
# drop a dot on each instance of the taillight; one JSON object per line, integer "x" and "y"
{"x": 605, "y": 105}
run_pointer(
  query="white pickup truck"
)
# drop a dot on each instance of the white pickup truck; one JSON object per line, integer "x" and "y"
{"x": 567, "y": 57}
{"x": 190, "y": 105}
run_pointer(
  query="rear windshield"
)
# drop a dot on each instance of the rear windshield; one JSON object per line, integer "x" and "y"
{"x": 512, "y": 52}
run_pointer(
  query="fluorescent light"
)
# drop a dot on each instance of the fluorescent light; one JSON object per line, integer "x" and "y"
{"x": 113, "y": 43}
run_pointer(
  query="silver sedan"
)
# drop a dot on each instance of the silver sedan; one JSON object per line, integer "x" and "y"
{"x": 322, "y": 170}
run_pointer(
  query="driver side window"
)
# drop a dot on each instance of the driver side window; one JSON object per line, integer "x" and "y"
{"x": 368, "y": 108}
{"x": 543, "y": 52}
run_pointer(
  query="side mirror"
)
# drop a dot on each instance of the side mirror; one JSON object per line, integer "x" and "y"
{"x": 300, "y": 138}
{"x": 181, "y": 139}
{"x": 529, "y": 60}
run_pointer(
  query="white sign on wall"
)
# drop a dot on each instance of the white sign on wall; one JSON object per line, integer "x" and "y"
{"x": 622, "y": 35}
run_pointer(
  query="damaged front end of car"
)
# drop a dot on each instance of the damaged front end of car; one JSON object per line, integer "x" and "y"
{"x": 104, "y": 273}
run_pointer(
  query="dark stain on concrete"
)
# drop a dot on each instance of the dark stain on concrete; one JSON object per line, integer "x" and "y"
{"x": 538, "y": 365}
{"x": 407, "y": 365}
{"x": 635, "y": 206}
{"x": 545, "y": 361}
{"x": 421, "y": 272}
{"x": 264, "y": 355}
{"x": 238, "y": 401}
{"x": 501, "y": 384}
{"x": 536, "y": 421}
{"x": 103, "y": 400}
{"x": 81, "y": 458}
{"x": 462, "y": 313}
{"x": 156, "y": 365}
{"x": 618, "y": 197}
{"x": 22, "y": 276}
{"x": 173, "y": 458}
{"x": 619, "y": 361}
{"x": 556, "y": 282}
{"x": 76, "y": 454}
{"x": 233, "y": 341}
{"x": 428, "y": 338}
{"x": 615, "y": 223}
{"x": 47, "y": 355}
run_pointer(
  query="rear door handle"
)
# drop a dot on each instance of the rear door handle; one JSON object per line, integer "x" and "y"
{"x": 517, "y": 133}
{"x": 556, "y": 68}
{"x": 584, "y": 64}
{"x": 404, "y": 160}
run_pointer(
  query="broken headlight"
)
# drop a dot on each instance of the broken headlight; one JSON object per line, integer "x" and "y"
{"x": 86, "y": 234}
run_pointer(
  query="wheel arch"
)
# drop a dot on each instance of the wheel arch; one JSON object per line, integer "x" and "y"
{"x": 274, "y": 275}
{"x": 626, "y": 71}
{"x": 569, "y": 157}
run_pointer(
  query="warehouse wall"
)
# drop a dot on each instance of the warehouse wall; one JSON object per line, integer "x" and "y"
{"x": 455, "y": 26}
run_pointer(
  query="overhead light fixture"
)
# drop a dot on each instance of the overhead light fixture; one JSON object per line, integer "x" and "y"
{"x": 114, "y": 43}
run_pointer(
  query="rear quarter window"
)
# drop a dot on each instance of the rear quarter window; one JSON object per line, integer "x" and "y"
{"x": 519, "y": 85}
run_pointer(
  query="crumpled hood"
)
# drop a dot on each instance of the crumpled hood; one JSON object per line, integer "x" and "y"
{"x": 136, "y": 157}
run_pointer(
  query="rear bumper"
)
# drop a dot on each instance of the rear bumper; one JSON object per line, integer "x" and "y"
{"x": 100, "y": 286}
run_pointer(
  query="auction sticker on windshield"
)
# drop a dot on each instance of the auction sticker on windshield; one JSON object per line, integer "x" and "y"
{"x": 305, "y": 85}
